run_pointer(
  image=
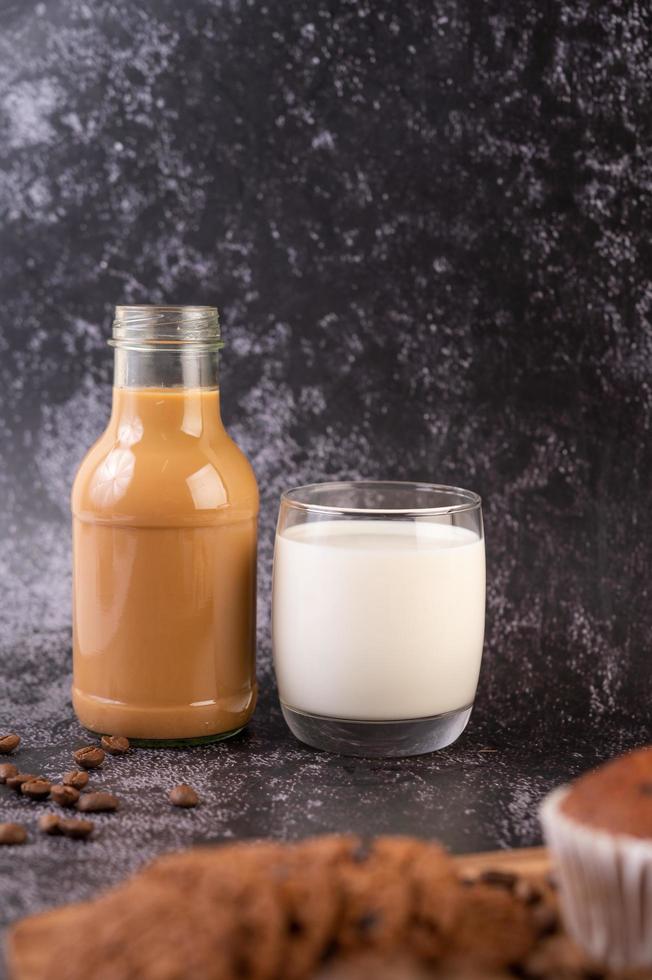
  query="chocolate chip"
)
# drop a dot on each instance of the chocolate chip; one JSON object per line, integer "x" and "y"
{"x": 49, "y": 824}
{"x": 361, "y": 852}
{"x": 90, "y": 757}
{"x": 183, "y": 795}
{"x": 115, "y": 744}
{"x": 645, "y": 789}
{"x": 77, "y": 778}
{"x": 294, "y": 927}
{"x": 527, "y": 893}
{"x": 8, "y": 743}
{"x": 7, "y": 769}
{"x": 77, "y": 829}
{"x": 97, "y": 802}
{"x": 368, "y": 922}
{"x": 499, "y": 879}
{"x": 64, "y": 795}
{"x": 36, "y": 789}
{"x": 12, "y": 833}
{"x": 15, "y": 782}
{"x": 330, "y": 951}
{"x": 545, "y": 920}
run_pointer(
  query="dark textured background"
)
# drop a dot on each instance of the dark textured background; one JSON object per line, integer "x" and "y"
{"x": 427, "y": 227}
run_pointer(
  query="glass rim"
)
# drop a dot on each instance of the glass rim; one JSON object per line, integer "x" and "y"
{"x": 470, "y": 500}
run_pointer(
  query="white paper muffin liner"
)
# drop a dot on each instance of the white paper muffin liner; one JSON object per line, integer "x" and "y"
{"x": 605, "y": 887}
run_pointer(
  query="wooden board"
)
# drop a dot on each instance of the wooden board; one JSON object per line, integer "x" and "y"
{"x": 531, "y": 861}
{"x": 30, "y": 939}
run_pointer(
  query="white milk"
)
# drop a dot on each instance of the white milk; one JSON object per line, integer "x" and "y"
{"x": 378, "y": 620}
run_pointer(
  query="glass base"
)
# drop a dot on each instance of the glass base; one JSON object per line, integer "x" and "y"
{"x": 177, "y": 743}
{"x": 381, "y": 739}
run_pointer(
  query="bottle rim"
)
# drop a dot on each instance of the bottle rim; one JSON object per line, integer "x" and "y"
{"x": 174, "y": 327}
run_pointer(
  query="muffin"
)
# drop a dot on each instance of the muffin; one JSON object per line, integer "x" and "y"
{"x": 599, "y": 831}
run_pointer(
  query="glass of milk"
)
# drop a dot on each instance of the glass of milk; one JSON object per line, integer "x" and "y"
{"x": 378, "y": 614}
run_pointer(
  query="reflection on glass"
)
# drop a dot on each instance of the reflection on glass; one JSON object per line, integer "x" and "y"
{"x": 206, "y": 488}
{"x": 130, "y": 432}
{"x": 112, "y": 477}
{"x": 193, "y": 418}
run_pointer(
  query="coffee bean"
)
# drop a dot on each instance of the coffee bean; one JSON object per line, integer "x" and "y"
{"x": 15, "y": 782}
{"x": 183, "y": 795}
{"x": 115, "y": 744}
{"x": 7, "y": 769}
{"x": 77, "y": 778}
{"x": 97, "y": 802}
{"x": 12, "y": 833}
{"x": 64, "y": 795}
{"x": 49, "y": 824}
{"x": 8, "y": 743}
{"x": 90, "y": 757}
{"x": 36, "y": 789}
{"x": 77, "y": 829}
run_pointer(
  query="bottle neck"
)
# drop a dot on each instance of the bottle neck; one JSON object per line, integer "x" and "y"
{"x": 160, "y": 367}
{"x": 159, "y": 391}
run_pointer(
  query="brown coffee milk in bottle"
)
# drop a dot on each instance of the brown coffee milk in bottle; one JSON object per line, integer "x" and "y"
{"x": 164, "y": 544}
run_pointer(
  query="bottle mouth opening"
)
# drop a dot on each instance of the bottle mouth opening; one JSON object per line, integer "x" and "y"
{"x": 167, "y": 327}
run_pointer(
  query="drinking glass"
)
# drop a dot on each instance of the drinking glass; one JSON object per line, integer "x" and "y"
{"x": 378, "y": 614}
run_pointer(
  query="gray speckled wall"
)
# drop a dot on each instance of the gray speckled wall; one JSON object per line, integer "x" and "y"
{"x": 427, "y": 228}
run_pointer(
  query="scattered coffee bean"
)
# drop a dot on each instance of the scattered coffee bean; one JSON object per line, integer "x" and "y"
{"x": 90, "y": 757}
{"x": 97, "y": 802}
{"x": 183, "y": 795}
{"x": 77, "y": 778}
{"x": 8, "y": 743}
{"x": 64, "y": 795}
{"x": 36, "y": 789}
{"x": 7, "y": 769}
{"x": 15, "y": 782}
{"x": 12, "y": 833}
{"x": 77, "y": 829}
{"x": 115, "y": 744}
{"x": 49, "y": 824}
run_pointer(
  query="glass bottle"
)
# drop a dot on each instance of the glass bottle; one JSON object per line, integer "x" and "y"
{"x": 164, "y": 544}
